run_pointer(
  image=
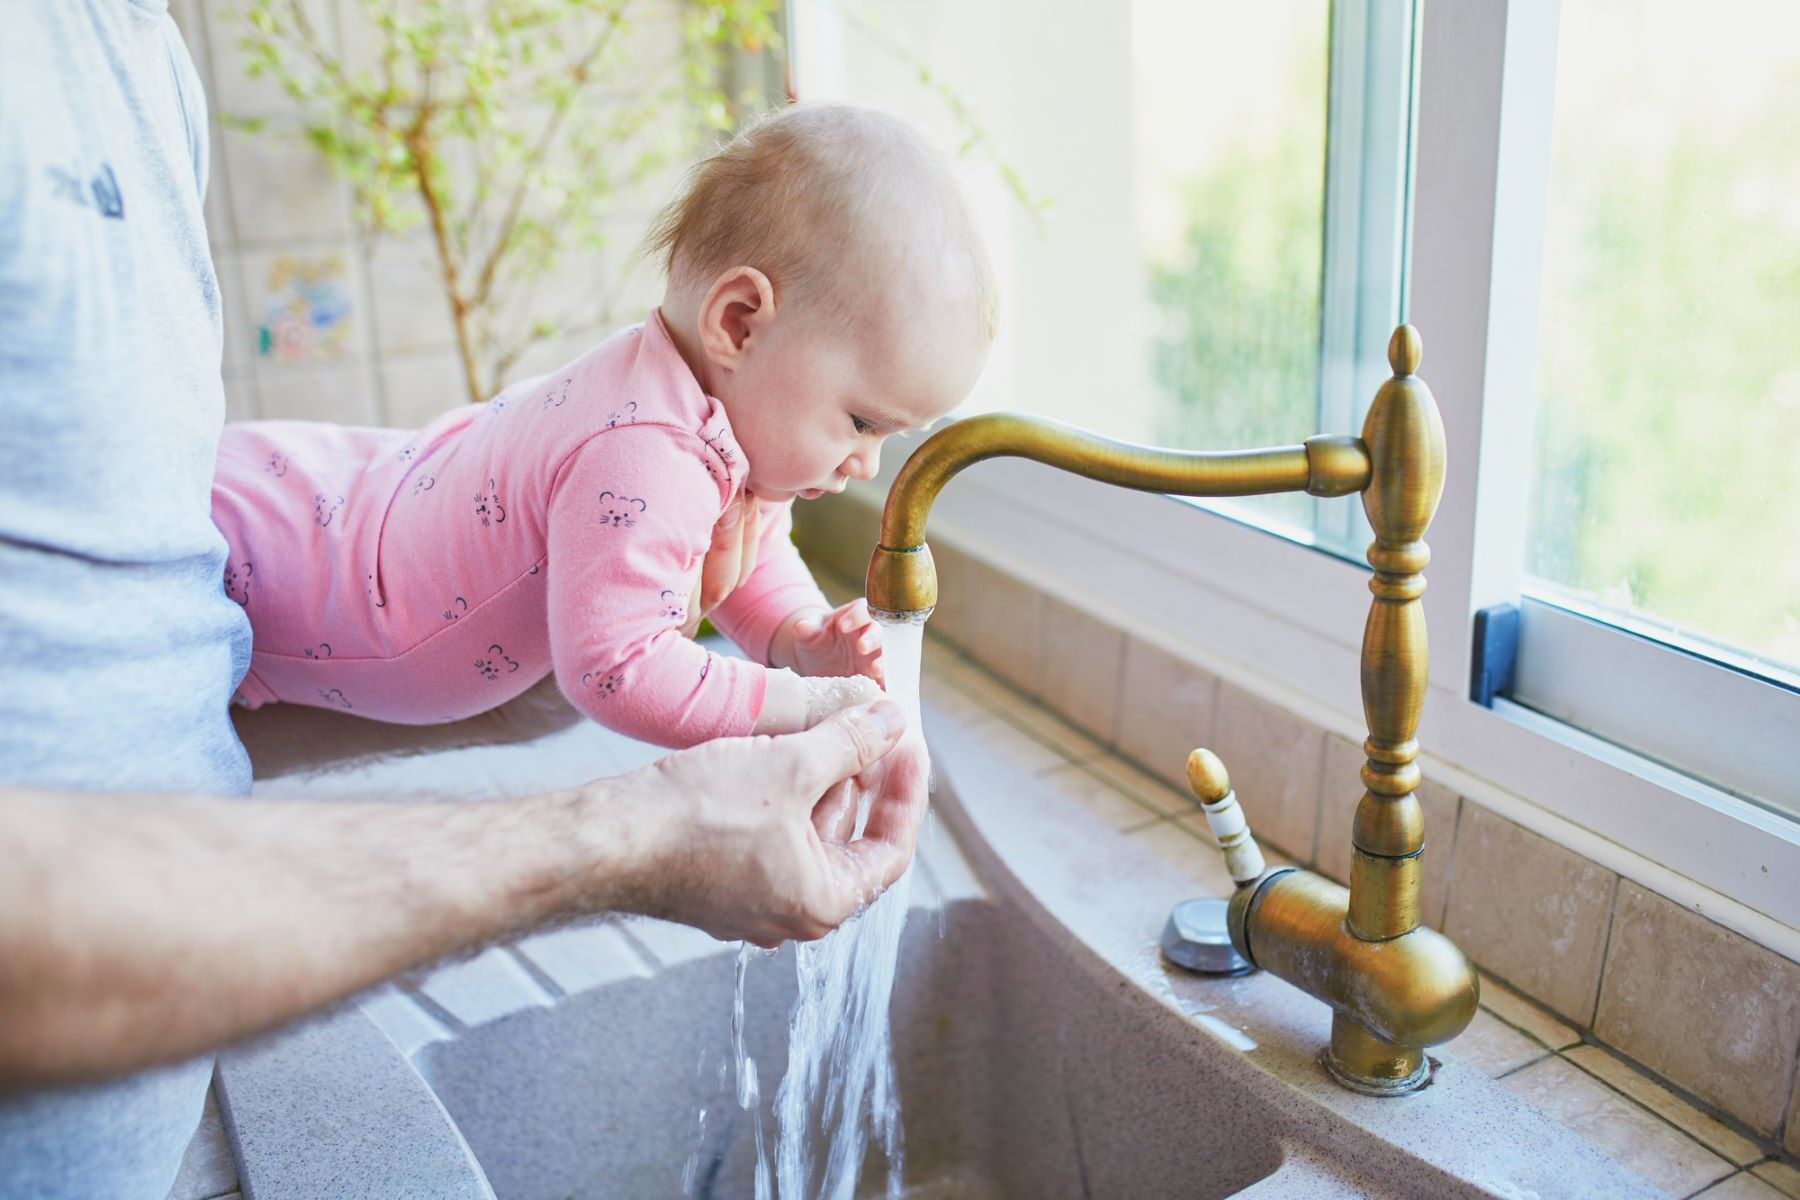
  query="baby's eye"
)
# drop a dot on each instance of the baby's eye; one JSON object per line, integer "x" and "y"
{"x": 862, "y": 426}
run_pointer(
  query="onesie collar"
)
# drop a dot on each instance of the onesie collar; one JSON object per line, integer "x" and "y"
{"x": 692, "y": 405}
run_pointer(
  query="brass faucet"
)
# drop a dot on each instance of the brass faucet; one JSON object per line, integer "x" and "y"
{"x": 1395, "y": 987}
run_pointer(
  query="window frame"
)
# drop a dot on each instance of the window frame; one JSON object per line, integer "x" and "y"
{"x": 1264, "y": 611}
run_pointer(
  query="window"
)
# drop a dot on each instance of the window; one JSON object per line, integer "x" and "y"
{"x": 1669, "y": 373}
{"x": 1602, "y": 260}
{"x": 1663, "y": 494}
{"x": 1228, "y": 158}
{"x": 1226, "y": 279}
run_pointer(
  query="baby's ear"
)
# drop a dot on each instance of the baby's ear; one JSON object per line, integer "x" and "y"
{"x": 739, "y": 305}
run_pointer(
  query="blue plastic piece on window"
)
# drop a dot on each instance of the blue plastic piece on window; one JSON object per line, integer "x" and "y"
{"x": 1496, "y": 649}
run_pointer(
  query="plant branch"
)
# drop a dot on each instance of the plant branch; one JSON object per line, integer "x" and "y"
{"x": 582, "y": 73}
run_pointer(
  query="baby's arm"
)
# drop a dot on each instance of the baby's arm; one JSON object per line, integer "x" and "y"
{"x": 630, "y": 521}
{"x": 780, "y": 617}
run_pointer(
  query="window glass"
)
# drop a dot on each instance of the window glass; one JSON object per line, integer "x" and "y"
{"x": 1150, "y": 176}
{"x": 1228, "y": 128}
{"x": 1665, "y": 493}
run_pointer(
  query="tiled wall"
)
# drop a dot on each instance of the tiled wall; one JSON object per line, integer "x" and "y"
{"x": 1713, "y": 1013}
{"x": 324, "y": 323}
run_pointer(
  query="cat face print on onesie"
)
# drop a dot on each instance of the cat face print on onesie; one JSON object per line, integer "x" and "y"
{"x": 620, "y": 512}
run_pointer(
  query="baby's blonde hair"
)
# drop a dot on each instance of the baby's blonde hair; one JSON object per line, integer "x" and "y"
{"x": 804, "y": 193}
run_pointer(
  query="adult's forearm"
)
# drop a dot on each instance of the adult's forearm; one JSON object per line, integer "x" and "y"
{"x": 143, "y": 929}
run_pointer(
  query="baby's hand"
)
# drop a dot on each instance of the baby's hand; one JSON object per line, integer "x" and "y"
{"x": 845, "y": 641}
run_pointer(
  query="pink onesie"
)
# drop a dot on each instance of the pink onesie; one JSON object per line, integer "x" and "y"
{"x": 426, "y": 576}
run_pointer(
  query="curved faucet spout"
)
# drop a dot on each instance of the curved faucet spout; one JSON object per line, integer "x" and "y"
{"x": 902, "y": 580}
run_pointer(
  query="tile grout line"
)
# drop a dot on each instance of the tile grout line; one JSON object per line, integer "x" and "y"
{"x": 1443, "y": 917}
{"x": 1318, "y": 806}
{"x": 1612, "y": 919}
{"x": 1118, "y": 707}
{"x": 1531, "y": 1062}
{"x": 1646, "y": 1108}
{"x": 443, "y": 1016}
{"x": 645, "y": 955}
{"x": 535, "y": 973}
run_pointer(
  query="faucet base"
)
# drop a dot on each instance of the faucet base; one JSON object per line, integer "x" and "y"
{"x": 1197, "y": 938}
{"x": 1364, "y": 1061}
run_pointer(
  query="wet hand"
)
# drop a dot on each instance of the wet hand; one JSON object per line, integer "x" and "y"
{"x": 736, "y": 846}
{"x": 844, "y": 641}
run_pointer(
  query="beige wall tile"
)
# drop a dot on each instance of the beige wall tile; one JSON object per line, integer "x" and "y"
{"x": 1529, "y": 911}
{"x": 954, "y": 617}
{"x": 345, "y": 394}
{"x": 632, "y": 284}
{"x": 221, "y": 230}
{"x": 1166, "y": 707}
{"x": 1079, "y": 666}
{"x": 1274, "y": 759}
{"x": 1782, "y": 1176}
{"x": 1341, "y": 790}
{"x": 1443, "y": 811}
{"x": 241, "y": 402}
{"x": 1525, "y": 1015}
{"x": 406, "y": 297}
{"x": 838, "y": 533}
{"x": 1623, "y": 1077}
{"x": 1709, "y": 1010}
{"x": 1791, "y": 1142}
{"x": 553, "y": 353}
{"x": 239, "y": 339}
{"x": 282, "y": 191}
{"x": 1493, "y": 1047}
{"x": 998, "y": 622}
{"x": 1742, "y": 1186}
{"x": 416, "y": 389}
{"x": 1628, "y": 1132}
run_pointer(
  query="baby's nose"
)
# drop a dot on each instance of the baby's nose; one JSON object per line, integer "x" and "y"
{"x": 864, "y": 464}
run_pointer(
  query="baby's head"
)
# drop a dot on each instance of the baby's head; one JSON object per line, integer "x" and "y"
{"x": 826, "y": 283}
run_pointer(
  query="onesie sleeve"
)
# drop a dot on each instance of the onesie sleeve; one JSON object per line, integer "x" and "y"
{"x": 780, "y": 585}
{"x": 631, "y": 518}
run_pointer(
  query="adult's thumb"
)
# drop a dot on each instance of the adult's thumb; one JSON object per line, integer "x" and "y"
{"x": 846, "y": 742}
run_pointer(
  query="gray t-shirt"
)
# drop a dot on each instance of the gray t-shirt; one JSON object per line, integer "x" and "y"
{"x": 119, "y": 649}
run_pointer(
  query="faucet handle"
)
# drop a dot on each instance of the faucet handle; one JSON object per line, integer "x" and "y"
{"x": 1224, "y": 816}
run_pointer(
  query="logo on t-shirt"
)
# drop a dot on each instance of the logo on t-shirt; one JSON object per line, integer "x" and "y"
{"x": 100, "y": 193}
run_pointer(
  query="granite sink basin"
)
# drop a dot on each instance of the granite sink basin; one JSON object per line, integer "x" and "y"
{"x": 1044, "y": 1049}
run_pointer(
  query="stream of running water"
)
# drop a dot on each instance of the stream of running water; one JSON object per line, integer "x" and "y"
{"x": 840, "y": 1090}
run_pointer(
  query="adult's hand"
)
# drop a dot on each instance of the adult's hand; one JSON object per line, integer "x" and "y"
{"x": 738, "y": 849}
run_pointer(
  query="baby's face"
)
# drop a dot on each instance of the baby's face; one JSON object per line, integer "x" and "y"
{"x": 814, "y": 403}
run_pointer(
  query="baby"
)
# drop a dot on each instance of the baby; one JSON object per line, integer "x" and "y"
{"x": 826, "y": 289}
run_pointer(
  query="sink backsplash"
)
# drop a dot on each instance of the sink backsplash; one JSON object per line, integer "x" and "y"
{"x": 1709, "y": 1011}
